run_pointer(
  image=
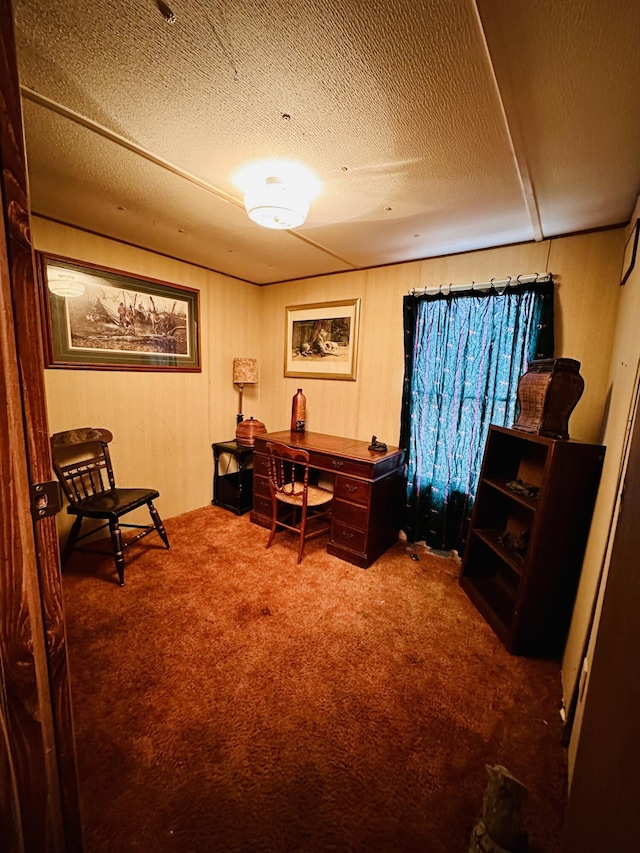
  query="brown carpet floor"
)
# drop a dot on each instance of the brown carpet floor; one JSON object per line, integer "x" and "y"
{"x": 227, "y": 699}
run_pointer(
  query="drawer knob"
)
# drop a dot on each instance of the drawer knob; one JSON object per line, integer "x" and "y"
{"x": 337, "y": 463}
{"x": 351, "y": 488}
{"x": 346, "y": 534}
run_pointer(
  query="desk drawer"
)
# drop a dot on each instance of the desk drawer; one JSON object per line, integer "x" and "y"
{"x": 261, "y": 486}
{"x": 261, "y": 465}
{"x": 354, "y": 491}
{"x": 261, "y": 505}
{"x": 339, "y": 464}
{"x": 347, "y": 537}
{"x": 354, "y": 515}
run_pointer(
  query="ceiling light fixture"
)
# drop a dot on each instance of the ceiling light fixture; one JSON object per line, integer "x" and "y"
{"x": 275, "y": 204}
{"x": 65, "y": 285}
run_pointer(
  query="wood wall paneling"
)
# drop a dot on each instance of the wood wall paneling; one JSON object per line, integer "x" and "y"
{"x": 586, "y": 309}
{"x": 183, "y": 415}
{"x": 603, "y": 804}
{"x": 483, "y": 265}
{"x": 163, "y": 423}
{"x": 586, "y": 268}
{"x": 618, "y": 391}
{"x": 332, "y": 405}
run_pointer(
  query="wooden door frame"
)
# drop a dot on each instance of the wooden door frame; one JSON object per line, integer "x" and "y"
{"x": 39, "y": 808}
{"x": 601, "y": 813}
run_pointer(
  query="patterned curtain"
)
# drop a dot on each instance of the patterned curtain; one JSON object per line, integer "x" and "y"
{"x": 464, "y": 355}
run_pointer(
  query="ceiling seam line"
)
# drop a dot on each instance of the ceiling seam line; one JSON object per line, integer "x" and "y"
{"x": 123, "y": 142}
{"x": 515, "y": 138}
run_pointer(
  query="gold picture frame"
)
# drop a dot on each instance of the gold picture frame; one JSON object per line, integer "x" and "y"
{"x": 321, "y": 340}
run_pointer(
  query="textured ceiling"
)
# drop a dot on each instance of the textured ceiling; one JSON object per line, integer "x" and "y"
{"x": 434, "y": 126}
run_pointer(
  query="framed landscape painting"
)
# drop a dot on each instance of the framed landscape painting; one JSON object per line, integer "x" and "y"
{"x": 321, "y": 340}
{"x": 116, "y": 321}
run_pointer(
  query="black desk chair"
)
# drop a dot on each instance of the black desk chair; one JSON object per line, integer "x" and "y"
{"x": 294, "y": 502}
{"x": 81, "y": 460}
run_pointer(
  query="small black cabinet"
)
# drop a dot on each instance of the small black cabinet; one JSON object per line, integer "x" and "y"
{"x": 524, "y": 552}
{"x": 232, "y": 476}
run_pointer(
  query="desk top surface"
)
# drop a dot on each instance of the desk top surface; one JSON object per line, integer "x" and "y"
{"x": 349, "y": 448}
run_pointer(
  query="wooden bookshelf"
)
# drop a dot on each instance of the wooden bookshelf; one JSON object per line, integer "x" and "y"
{"x": 526, "y": 593}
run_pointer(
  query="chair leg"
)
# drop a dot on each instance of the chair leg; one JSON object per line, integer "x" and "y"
{"x": 72, "y": 538}
{"x": 274, "y": 516}
{"x": 155, "y": 516}
{"x": 118, "y": 554}
{"x": 303, "y": 525}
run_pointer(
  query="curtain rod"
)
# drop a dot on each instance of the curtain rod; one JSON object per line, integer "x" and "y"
{"x": 497, "y": 284}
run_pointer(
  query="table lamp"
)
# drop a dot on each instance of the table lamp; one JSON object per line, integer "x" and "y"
{"x": 245, "y": 372}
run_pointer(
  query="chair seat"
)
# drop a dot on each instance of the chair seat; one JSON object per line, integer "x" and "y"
{"x": 316, "y": 496}
{"x": 112, "y": 503}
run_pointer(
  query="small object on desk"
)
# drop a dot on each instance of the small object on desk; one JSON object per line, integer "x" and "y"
{"x": 298, "y": 411}
{"x": 377, "y": 446}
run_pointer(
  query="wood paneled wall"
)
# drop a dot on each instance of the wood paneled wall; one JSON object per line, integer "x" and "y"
{"x": 586, "y": 268}
{"x": 164, "y": 423}
{"x": 621, "y": 381}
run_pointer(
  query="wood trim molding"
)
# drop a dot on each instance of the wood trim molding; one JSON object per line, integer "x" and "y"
{"x": 39, "y": 808}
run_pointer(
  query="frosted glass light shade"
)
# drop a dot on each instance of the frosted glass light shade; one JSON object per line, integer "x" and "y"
{"x": 245, "y": 371}
{"x": 64, "y": 284}
{"x": 276, "y": 205}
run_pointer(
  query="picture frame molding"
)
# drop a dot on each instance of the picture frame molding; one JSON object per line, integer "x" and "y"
{"x": 630, "y": 252}
{"x": 295, "y": 365}
{"x": 57, "y": 325}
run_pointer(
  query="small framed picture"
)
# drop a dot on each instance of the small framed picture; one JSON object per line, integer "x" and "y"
{"x": 102, "y": 319}
{"x": 321, "y": 340}
{"x": 630, "y": 251}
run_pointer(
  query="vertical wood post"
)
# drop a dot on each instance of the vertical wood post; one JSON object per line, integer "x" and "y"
{"x": 38, "y": 781}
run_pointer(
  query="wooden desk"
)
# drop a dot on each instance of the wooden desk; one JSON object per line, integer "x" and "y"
{"x": 369, "y": 491}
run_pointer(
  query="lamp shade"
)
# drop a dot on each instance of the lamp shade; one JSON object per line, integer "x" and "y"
{"x": 276, "y": 205}
{"x": 245, "y": 371}
{"x": 64, "y": 284}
